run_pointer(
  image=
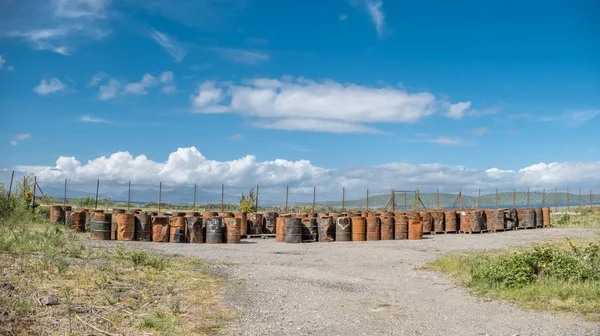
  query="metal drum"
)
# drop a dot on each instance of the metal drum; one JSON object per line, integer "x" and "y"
{"x": 293, "y": 230}
{"x": 160, "y": 229}
{"x": 309, "y": 230}
{"x": 113, "y": 227}
{"x": 427, "y": 221}
{"x": 194, "y": 230}
{"x": 387, "y": 227}
{"x": 511, "y": 218}
{"x": 68, "y": 219}
{"x": 526, "y": 218}
{"x": 100, "y": 226}
{"x": 358, "y": 228}
{"x": 177, "y": 226}
{"x": 326, "y": 229}
{"x": 244, "y": 222}
{"x": 255, "y": 224}
{"x": 143, "y": 227}
{"x": 477, "y": 221}
{"x": 415, "y": 227}
{"x": 438, "y": 221}
{"x": 214, "y": 231}
{"x": 270, "y": 223}
{"x": 373, "y": 228}
{"x": 539, "y": 221}
{"x": 125, "y": 226}
{"x": 401, "y": 227}
{"x": 57, "y": 214}
{"x": 232, "y": 226}
{"x": 495, "y": 219}
{"x": 280, "y": 234}
{"x": 546, "y": 216}
{"x": 78, "y": 221}
{"x": 450, "y": 221}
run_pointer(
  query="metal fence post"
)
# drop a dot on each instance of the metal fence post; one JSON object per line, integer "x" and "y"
{"x": 159, "y": 195}
{"x": 568, "y": 201}
{"x": 222, "y": 197}
{"x": 194, "y": 202}
{"x": 527, "y": 198}
{"x": 367, "y": 199}
{"x": 129, "y": 195}
{"x": 314, "y": 198}
{"x": 97, "y": 188}
{"x": 496, "y": 198}
{"x": 256, "y": 203}
{"x": 33, "y": 197}
{"x": 287, "y": 191}
{"x": 11, "y": 182}
{"x": 343, "y": 198}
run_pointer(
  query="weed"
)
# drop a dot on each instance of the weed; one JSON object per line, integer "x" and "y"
{"x": 139, "y": 258}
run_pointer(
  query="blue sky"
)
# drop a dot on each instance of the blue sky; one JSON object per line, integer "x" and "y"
{"x": 347, "y": 85}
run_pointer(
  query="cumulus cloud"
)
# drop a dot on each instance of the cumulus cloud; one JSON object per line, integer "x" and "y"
{"x": 51, "y": 86}
{"x": 328, "y": 101}
{"x": 187, "y": 166}
{"x": 20, "y": 138}
{"x": 110, "y": 90}
{"x": 169, "y": 44}
{"x": 98, "y": 77}
{"x": 140, "y": 87}
{"x": 456, "y": 111}
{"x": 165, "y": 80}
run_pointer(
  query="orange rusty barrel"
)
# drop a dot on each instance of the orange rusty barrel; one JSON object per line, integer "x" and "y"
{"x": 358, "y": 227}
{"x": 113, "y": 227}
{"x": 465, "y": 221}
{"x": 415, "y": 227}
{"x": 477, "y": 221}
{"x": 192, "y": 214}
{"x": 270, "y": 222}
{"x": 78, "y": 221}
{"x": 546, "y": 216}
{"x": 57, "y": 214}
{"x": 427, "y": 221}
{"x": 364, "y": 213}
{"x": 539, "y": 221}
{"x": 160, "y": 229}
{"x": 322, "y": 214}
{"x": 401, "y": 227}
{"x": 255, "y": 223}
{"x": 495, "y": 219}
{"x": 226, "y": 214}
{"x": 343, "y": 228}
{"x": 309, "y": 230}
{"x": 207, "y": 214}
{"x": 280, "y": 230}
{"x": 143, "y": 227}
{"x": 511, "y": 218}
{"x": 438, "y": 221}
{"x": 373, "y": 228}
{"x": 244, "y": 222}
{"x": 232, "y": 230}
{"x": 526, "y": 218}
{"x": 100, "y": 226}
{"x": 450, "y": 221}
{"x": 177, "y": 227}
{"x": 386, "y": 214}
{"x": 387, "y": 227}
{"x": 194, "y": 232}
{"x": 326, "y": 229}
{"x": 125, "y": 226}
{"x": 293, "y": 230}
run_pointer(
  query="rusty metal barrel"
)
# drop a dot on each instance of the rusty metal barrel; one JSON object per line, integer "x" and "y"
{"x": 214, "y": 230}
{"x": 546, "y": 217}
{"x": 511, "y": 218}
{"x": 415, "y": 227}
{"x": 343, "y": 228}
{"x": 387, "y": 227}
{"x": 68, "y": 221}
{"x": 226, "y": 214}
{"x": 57, "y": 214}
{"x": 255, "y": 223}
{"x": 143, "y": 227}
{"x": 244, "y": 222}
{"x": 465, "y": 221}
{"x": 526, "y": 218}
{"x": 293, "y": 230}
{"x": 358, "y": 228}
{"x": 207, "y": 214}
{"x": 100, "y": 226}
{"x": 160, "y": 229}
{"x": 113, "y": 227}
{"x": 427, "y": 221}
{"x": 438, "y": 221}
{"x": 326, "y": 229}
{"x": 310, "y": 230}
{"x": 400, "y": 227}
{"x": 450, "y": 221}
{"x": 477, "y": 221}
{"x": 280, "y": 231}
{"x": 539, "y": 220}
{"x": 125, "y": 226}
{"x": 232, "y": 230}
{"x": 78, "y": 221}
{"x": 177, "y": 227}
{"x": 373, "y": 228}
{"x": 270, "y": 223}
{"x": 495, "y": 219}
{"x": 193, "y": 233}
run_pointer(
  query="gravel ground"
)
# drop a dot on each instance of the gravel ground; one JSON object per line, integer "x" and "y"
{"x": 371, "y": 288}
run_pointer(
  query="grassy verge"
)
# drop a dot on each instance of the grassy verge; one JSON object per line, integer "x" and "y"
{"x": 561, "y": 276}
{"x": 100, "y": 291}
{"x": 585, "y": 219}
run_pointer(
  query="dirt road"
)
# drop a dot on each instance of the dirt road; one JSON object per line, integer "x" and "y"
{"x": 372, "y": 288}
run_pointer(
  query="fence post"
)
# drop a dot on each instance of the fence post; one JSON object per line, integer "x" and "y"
{"x": 405, "y": 203}
{"x": 97, "y": 188}
{"x": 256, "y": 203}
{"x": 527, "y": 198}
{"x": 580, "y": 197}
{"x": 568, "y": 201}
{"x": 194, "y": 204}
{"x": 496, "y": 198}
{"x": 556, "y": 199}
{"x": 129, "y": 195}
{"x": 418, "y": 199}
{"x": 543, "y": 197}
{"x": 367, "y": 199}
{"x": 393, "y": 200}
{"x": 437, "y": 199}
{"x": 159, "y": 195}
{"x": 33, "y": 197}
{"x": 287, "y": 191}
{"x": 65, "y": 194}
{"x": 314, "y": 198}
{"x": 222, "y": 197}
{"x": 478, "y": 198}
{"x": 343, "y": 198}
{"x": 460, "y": 199}
{"x": 11, "y": 181}
{"x": 591, "y": 199}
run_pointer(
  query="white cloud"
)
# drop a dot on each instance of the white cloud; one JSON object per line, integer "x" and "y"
{"x": 377, "y": 15}
{"x": 98, "y": 77}
{"x": 573, "y": 118}
{"x": 187, "y": 166}
{"x": 445, "y": 140}
{"x": 13, "y": 143}
{"x": 169, "y": 44}
{"x": 167, "y": 79}
{"x": 456, "y": 111}
{"x": 2, "y": 61}
{"x": 236, "y": 136}
{"x": 315, "y": 125}
{"x": 481, "y": 130}
{"x": 91, "y": 119}
{"x": 141, "y": 86}
{"x": 81, "y": 8}
{"x": 242, "y": 55}
{"x": 47, "y": 87}
{"x": 342, "y": 17}
{"x": 109, "y": 90}
{"x": 319, "y": 103}
{"x": 20, "y": 138}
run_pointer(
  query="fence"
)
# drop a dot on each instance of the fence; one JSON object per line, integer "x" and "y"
{"x": 304, "y": 198}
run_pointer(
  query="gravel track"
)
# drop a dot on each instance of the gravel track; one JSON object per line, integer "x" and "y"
{"x": 372, "y": 288}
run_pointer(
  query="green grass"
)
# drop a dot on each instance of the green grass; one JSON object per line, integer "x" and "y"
{"x": 586, "y": 219}
{"x": 120, "y": 291}
{"x": 554, "y": 276}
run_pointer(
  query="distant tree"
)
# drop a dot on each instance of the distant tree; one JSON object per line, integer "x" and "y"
{"x": 247, "y": 202}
